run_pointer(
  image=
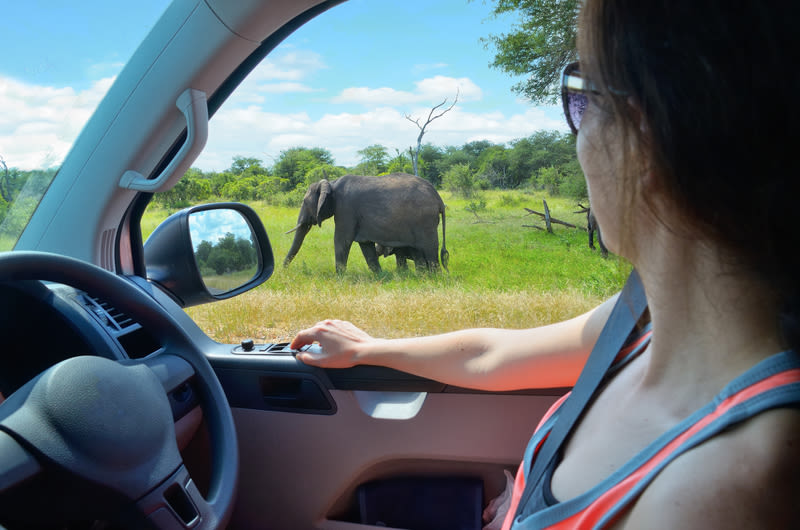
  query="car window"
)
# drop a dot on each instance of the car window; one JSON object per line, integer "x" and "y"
{"x": 48, "y": 92}
{"x": 349, "y": 92}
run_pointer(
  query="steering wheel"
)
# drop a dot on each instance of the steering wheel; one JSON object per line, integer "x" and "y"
{"x": 95, "y": 438}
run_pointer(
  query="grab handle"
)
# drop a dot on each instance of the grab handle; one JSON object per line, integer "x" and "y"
{"x": 194, "y": 107}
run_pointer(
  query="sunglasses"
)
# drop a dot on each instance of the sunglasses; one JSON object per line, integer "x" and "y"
{"x": 574, "y": 95}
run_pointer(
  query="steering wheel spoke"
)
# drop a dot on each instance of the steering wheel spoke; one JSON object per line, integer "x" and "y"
{"x": 16, "y": 464}
{"x": 177, "y": 503}
{"x": 171, "y": 370}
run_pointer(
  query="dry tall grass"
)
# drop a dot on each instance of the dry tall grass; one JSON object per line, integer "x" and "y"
{"x": 267, "y": 315}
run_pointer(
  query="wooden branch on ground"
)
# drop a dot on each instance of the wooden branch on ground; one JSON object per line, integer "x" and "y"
{"x": 548, "y": 219}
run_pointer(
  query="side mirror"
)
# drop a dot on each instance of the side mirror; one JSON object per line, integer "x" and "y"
{"x": 209, "y": 252}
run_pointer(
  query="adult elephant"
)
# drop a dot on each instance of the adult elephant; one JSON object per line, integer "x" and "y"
{"x": 397, "y": 211}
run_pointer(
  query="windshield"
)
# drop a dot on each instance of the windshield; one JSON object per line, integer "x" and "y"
{"x": 48, "y": 92}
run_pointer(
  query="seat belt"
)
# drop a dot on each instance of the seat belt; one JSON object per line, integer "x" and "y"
{"x": 626, "y": 313}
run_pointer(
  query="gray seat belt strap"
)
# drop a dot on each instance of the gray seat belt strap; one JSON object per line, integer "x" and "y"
{"x": 626, "y": 313}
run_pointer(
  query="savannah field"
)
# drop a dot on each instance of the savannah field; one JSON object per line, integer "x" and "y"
{"x": 502, "y": 274}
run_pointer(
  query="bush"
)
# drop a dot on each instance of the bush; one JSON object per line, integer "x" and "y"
{"x": 476, "y": 205}
{"x": 549, "y": 179}
{"x": 574, "y": 186}
{"x": 290, "y": 199}
{"x": 460, "y": 180}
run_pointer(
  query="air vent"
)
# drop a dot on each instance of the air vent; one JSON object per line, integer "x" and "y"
{"x": 108, "y": 314}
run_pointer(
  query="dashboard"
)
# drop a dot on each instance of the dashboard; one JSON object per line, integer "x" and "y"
{"x": 43, "y": 323}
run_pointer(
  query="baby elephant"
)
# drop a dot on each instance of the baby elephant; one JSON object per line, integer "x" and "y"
{"x": 397, "y": 211}
{"x": 401, "y": 254}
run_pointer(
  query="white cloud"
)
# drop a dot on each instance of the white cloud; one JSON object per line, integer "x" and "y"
{"x": 274, "y": 75}
{"x": 432, "y": 91}
{"x": 39, "y": 123}
{"x": 262, "y": 134}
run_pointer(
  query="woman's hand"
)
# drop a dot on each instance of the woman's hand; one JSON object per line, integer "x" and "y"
{"x": 340, "y": 342}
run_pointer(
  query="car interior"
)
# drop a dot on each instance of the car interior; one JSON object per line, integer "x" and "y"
{"x": 121, "y": 412}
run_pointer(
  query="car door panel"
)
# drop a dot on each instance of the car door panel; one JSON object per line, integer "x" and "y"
{"x": 301, "y": 468}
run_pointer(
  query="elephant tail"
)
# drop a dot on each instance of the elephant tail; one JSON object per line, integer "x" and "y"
{"x": 444, "y": 254}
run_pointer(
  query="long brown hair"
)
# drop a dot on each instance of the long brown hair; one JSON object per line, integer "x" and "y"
{"x": 708, "y": 89}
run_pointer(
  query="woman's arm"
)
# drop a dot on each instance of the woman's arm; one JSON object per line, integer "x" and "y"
{"x": 485, "y": 359}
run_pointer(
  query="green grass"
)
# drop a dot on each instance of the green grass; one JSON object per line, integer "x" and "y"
{"x": 502, "y": 274}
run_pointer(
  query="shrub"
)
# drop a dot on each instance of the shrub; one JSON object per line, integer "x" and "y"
{"x": 460, "y": 180}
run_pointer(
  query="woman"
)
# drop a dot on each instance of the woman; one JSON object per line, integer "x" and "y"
{"x": 684, "y": 114}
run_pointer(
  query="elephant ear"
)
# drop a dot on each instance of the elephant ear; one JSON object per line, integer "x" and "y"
{"x": 323, "y": 203}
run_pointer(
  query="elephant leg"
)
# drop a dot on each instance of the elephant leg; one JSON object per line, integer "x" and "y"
{"x": 603, "y": 249}
{"x": 401, "y": 261}
{"x": 371, "y": 256}
{"x": 430, "y": 257}
{"x": 342, "y": 247}
{"x": 420, "y": 259}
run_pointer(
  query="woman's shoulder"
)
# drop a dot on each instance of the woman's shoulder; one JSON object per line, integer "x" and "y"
{"x": 748, "y": 476}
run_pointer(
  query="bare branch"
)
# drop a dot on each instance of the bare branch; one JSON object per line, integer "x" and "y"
{"x": 431, "y": 117}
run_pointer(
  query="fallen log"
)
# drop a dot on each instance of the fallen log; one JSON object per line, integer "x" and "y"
{"x": 549, "y": 219}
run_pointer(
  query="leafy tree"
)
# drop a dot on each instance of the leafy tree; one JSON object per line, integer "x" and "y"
{"x": 452, "y": 156}
{"x": 538, "y": 46}
{"x": 325, "y": 171}
{"x": 550, "y": 179}
{"x": 245, "y": 165}
{"x": 495, "y": 167}
{"x": 374, "y": 160}
{"x": 474, "y": 149}
{"x": 401, "y": 163}
{"x": 574, "y": 183}
{"x": 229, "y": 254}
{"x": 428, "y": 164}
{"x": 191, "y": 188}
{"x": 241, "y": 189}
{"x": 294, "y": 164}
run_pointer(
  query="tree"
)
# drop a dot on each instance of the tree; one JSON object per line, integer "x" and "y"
{"x": 495, "y": 167}
{"x": 538, "y": 46}
{"x": 429, "y": 163}
{"x": 193, "y": 187}
{"x": 374, "y": 160}
{"x": 475, "y": 148}
{"x": 549, "y": 178}
{"x": 401, "y": 163}
{"x": 431, "y": 117}
{"x": 294, "y": 164}
{"x": 5, "y": 194}
{"x": 324, "y": 171}
{"x": 247, "y": 166}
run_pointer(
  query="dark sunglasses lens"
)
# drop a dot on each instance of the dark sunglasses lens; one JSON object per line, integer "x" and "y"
{"x": 576, "y": 103}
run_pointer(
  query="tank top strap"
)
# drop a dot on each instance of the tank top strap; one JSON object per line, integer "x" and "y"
{"x": 772, "y": 383}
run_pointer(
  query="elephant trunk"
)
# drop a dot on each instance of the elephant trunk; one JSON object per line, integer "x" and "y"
{"x": 300, "y": 232}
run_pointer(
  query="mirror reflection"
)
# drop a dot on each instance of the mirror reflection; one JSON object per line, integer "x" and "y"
{"x": 224, "y": 249}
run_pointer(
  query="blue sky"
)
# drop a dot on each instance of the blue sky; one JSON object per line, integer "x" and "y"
{"x": 344, "y": 81}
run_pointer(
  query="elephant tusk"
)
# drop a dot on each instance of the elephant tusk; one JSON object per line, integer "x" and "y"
{"x": 295, "y": 228}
